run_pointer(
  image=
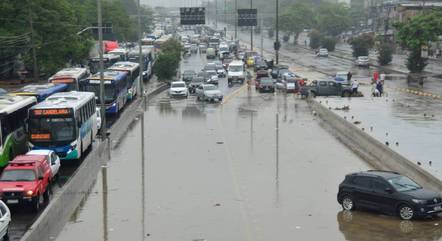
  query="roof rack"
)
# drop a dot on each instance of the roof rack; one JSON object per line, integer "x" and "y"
{"x": 384, "y": 171}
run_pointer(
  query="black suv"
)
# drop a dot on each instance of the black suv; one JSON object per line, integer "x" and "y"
{"x": 388, "y": 192}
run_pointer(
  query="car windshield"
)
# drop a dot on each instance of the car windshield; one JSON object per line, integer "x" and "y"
{"x": 52, "y": 129}
{"x": 403, "y": 184}
{"x": 26, "y": 175}
{"x": 188, "y": 73}
{"x": 210, "y": 87}
{"x": 363, "y": 58}
{"x": 178, "y": 85}
{"x": 210, "y": 67}
{"x": 233, "y": 68}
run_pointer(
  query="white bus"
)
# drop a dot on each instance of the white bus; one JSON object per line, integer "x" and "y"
{"x": 70, "y": 76}
{"x": 13, "y": 115}
{"x": 133, "y": 76}
{"x": 65, "y": 123}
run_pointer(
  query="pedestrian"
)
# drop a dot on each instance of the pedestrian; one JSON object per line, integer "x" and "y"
{"x": 375, "y": 76}
{"x": 305, "y": 42}
{"x": 379, "y": 87}
{"x": 354, "y": 87}
{"x": 382, "y": 77}
{"x": 349, "y": 75}
{"x": 375, "y": 91}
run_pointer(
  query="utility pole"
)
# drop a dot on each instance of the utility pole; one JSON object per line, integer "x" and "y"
{"x": 34, "y": 52}
{"x": 262, "y": 36}
{"x": 100, "y": 52}
{"x": 251, "y": 29}
{"x": 277, "y": 33}
{"x": 216, "y": 14}
{"x": 140, "y": 52}
{"x": 236, "y": 20}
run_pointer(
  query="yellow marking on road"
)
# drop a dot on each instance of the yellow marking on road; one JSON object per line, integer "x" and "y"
{"x": 234, "y": 93}
{"x": 243, "y": 199}
{"x": 419, "y": 93}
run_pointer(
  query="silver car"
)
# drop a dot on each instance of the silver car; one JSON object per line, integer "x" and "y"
{"x": 208, "y": 92}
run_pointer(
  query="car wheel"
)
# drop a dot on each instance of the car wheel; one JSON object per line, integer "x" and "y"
{"x": 46, "y": 195}
{"x": 6, "y": 237}
{"x": 37, "y": 202}
{"x": 347, "y": 203}
{"x": 346, "y": 94}
{"x": 312, "y": 94}
{"x": 406, "y": 212}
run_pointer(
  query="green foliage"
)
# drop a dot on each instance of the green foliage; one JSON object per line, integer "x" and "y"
{"x": 166, "y": 66}
{"x": 296, "y": 18}
{"x": 56, "y": 23}
{"x": 417, "y": 32}
{"x": 315, "y": 39}
{"x": 362, "y": 44}
{"x": 329, "y": 43}
{"x": 385, "y": 53}
{"x": 168, "y": 61}
{"x": 333, "y": 18}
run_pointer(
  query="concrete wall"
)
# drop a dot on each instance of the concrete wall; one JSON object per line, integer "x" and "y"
{"x": 63, "y": 204}
{"x": 371, "y": 150}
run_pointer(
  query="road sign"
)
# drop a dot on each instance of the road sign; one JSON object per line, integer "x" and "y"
{"x": 247, "y": 17}
{"x": 192, "y": 16}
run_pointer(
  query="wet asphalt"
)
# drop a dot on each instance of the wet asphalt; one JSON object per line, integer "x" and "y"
{"x": 257, "y": 167}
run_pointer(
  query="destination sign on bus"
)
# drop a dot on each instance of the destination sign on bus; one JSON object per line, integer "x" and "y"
{"x": 62, "y": 81}
{"x": 45, "y": 136}
{"x": 49, "y": 112}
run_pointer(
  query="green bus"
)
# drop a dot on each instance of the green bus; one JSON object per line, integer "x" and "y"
{"x": 13, "y": 116}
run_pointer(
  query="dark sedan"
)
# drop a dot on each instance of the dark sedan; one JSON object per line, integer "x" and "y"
{"x": 265, "y": 85}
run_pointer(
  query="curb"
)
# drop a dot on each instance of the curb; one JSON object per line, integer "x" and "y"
{"x": 371, "y": 150}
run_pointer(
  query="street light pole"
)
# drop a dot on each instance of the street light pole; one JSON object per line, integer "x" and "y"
{"x": 277, "y": 32}
{"x": 101, "y": 64}
{"x": 216, "y": 14}
{"x": 140, "y": 52}
{"x": 251, "y": 29}
{"x": 236, "y": 20}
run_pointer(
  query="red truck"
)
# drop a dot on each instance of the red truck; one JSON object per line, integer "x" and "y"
{"x": 26, "y": 181}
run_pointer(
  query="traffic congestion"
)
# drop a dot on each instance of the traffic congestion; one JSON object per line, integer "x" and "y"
{"x": 219, "y": 139}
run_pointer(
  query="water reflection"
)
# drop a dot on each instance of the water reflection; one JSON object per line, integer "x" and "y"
{"x": 165, "y": 107}
{"x": 193, "y": 112}
{"x": 361, "y": 226}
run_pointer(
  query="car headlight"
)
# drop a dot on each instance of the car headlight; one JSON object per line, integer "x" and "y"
{"x": 419, "y": 201}
{"x": 29, "y": 193}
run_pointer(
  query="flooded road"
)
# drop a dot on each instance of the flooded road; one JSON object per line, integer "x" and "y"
{"x": 219, "y": 172}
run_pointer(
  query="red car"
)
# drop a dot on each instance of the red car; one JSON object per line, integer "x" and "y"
{"x": 26, "y": 181}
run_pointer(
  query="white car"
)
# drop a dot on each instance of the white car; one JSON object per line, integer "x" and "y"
{"x": 323, "y": 52}
{"x": 5, "y": 219}
{"x": 363, "y": 61}
{"x": 53, "y": 159}
{"x": 178, "y": 89}
{"x": 208, "y": 92}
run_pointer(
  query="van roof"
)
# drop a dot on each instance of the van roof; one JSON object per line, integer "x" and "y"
{"x": 236, "y": 62}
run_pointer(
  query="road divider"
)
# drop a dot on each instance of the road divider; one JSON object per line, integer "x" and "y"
{"x": 234, "y": 93}
{"x": 375, "y": 153}
{"x": 420, "y": 93}
{"x": 64, "y": 203}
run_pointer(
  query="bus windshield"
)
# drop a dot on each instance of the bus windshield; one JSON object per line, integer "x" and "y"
{"x": 109, "y": 92}
{"x": 52, "y": 129}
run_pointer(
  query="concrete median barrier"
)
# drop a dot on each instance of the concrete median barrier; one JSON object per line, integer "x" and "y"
{"x": 63, "y": 204}
{"x": 375, "y": 153}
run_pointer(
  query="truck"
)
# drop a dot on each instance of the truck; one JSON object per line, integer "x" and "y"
{"x": 325, "y": 88}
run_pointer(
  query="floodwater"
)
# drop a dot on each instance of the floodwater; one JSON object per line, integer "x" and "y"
{"x": 412, "y": 125}
{"x": 221, "y": 172}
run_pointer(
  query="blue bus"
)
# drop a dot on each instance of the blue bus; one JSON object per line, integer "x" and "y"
{"x": 148, "y": 53}
{"x": 115, "y": 89}
{"x": 65, "y": 123}
{"x": 133, "y": 76}
{"x": 41, "y": 91}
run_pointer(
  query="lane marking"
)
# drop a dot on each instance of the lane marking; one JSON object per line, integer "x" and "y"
{"x": 234, "y": 93}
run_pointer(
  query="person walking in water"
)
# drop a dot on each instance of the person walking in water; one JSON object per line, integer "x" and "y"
{"x": 354, "y": 87}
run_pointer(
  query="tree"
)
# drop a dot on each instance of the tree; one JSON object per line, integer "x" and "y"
{"x": 385, "y": 53}
{"x": 329, "y": 43}
{"x": 362, "y": 44}
{"x": 415, "y": 34}
{"x": 168, "y": 61}
{"x": 333, "y": 18}
{"x": 296, "y": 18}
{"x": 315, "y": 39}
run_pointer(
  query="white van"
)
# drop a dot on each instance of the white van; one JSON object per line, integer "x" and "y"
{"x": 210, "y": 53}
{"x": 236, "y": 72}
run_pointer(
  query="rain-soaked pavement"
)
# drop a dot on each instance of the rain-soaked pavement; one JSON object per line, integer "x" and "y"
{"x": 212, "y": 172}
{"x": 230, "y": 172}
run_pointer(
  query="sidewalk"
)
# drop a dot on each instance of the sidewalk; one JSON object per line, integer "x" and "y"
{"x": 409, "y": 125}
